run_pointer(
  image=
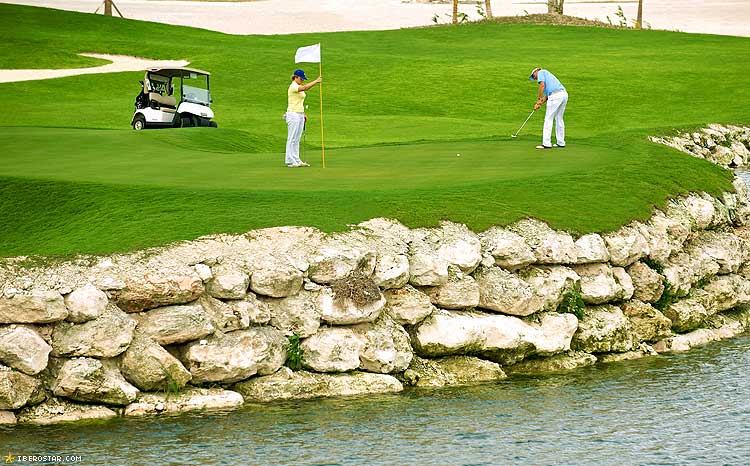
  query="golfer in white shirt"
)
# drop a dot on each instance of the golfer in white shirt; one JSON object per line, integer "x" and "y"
{"x": 553, "y": 93}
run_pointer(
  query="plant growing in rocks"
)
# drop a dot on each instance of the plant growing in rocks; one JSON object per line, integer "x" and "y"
{"x": 294, "y": 353}
{"x": 572, "y": 302}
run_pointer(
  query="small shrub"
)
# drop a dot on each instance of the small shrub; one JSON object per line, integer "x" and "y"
{"x": 171, "y": 387}
{"x": 572, "y": 303}
{"x": 294, "y": 353}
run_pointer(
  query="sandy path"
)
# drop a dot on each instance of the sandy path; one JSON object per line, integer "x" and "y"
{"x": 119, "y": 63}
{"x": 731, "y": 17}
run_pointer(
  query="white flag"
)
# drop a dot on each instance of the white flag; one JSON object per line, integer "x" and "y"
{"x": 310, "y": 54}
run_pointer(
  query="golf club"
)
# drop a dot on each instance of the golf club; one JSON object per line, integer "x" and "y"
{"x": 524, "y": 124}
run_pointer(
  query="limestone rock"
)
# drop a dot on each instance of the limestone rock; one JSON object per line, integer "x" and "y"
{"x": 503, "y": 339}
{"x": 727, "y": 250}
{"x": 502, "y": 291}
{"x": 604, "y": 329}
{"x": 558, "y": 363}
{"x": 339, "y": 257}
{"x": 391, "y": 271}
{"x": 386, "y": 346}
{"x": 250, "y": 309}
{"x": 192, "y": 399}
{"x": 407, "y": 305}
{"x": 228, "y": 283}
{"x": 23, "y": 349}
{"x": 426, "y": 267}
{"x": 648, "y": 324}
{"x": 551, "y": 282}
{"x": 332, "y": 350}
{"x": 600, "y": 285}
{"x": 351, "y": 300}
{"x": 276, "y": 279}
{"x": 458, "y": 245}
{"x": 451, "y": 371}
{"x": 591, "y": 248}
{"x": 644, "y": 350}
{"x": 104, "y": 337}
{"x": 235, "y": 356}
{"x": 228, "y": 317}
{"x": 686, "y": 314}
{"x": 18, "y": 389}
{"x": 624, "y": 281}
{"x": 549, "y": 246}
{"x": 459, "y": 292}
{"x": 38, "y": 306}
{"x": 150, "y": 367}
{"x": 158, "y": 289}
{"x": 55, "y": 411}
{"x": 700, "y": 211}
{"x": 175, "y": 324}
{"x": 289, "y": 385}
{"x": 509, "y": 249}
{"x": 298, "y": 314}
{"x": 648, "y": 284}
{"x": 94, "y": 381}
{"x": 7, "y": 418}
{"x": 85, "y": 303}
{"x": 626, "y": 245}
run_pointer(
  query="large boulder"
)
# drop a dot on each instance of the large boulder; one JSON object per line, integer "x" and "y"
{"x": 332, "y": 349}
{"x": 553, "y": 364}
{"x": 648, "y": 324}
{"x": 298, "y": 314}
{"x": 503, "y": 339}
{"x": 104, "y": 337}
{"x": 459, "y": 292}
{"x": 235, "y": 356}
{"x": 275, "y": 278}
{"x": 228, "y": 282}
{"x": 386, "y": 346}
{"x": 56, "y": 410}
{"x": 351, "y": 300}
{"x": 391, "y": 271}
{"x": 591, "y": 248}
{"x": 550, "y": 282}
{"x": 339, "y": 256}
{"x": 451, "y": 370}
{"x": 549, "y": 246}
{"x": 407, "y": 305}
{"x": 686, "y": 314}
{"x": 7, "y": 418}
{"x": 604, "y": 329}
{"x": 23, "y": 349}
{"x": 727, "y": 250}
{"x": 18, "y": 389}
{"x": 175, "y": 324}
{"x": 85, "y": 303}
{"x": 426, "y": 267}
{"x": 35, "y": 307}
{"x": 648, "y": 284}
{"x": 599, "y": 284}
{"x": 250, "y": 309}
{"x": 150, "y": 367}
{"x": 502, "y": 291}
{"x": 458, "y": 245}
{"x": 290, "y": 385}
{"x": 626, "y": 245}
{"x": 724, "y": 292}
{"x": 508, "y": 249}
{"x": 93, "y": 381}
{"x": 192, "y": 399}
{"x": 151, "y": 290}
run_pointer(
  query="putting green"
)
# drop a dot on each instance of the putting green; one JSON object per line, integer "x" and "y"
{"x": 399, "y": 106}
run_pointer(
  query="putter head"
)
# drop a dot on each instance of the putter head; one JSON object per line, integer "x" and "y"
{"x": 514, "y": 136}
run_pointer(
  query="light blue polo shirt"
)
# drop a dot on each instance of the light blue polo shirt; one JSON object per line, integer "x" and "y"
{"x": 551, "y": 83}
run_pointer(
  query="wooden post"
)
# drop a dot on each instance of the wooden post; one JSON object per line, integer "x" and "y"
{"x": 107, "y": 7}
{"x": 639, "y": 19}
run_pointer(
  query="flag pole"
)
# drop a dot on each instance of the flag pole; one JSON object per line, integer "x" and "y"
{"x": 322, "y": 139}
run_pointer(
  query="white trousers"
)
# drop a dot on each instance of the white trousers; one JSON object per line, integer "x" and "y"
{"x": 555, "y": 109}
{"x": 295, "y": 122}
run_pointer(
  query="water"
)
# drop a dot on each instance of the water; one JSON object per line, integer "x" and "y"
{"x": 675, "y": 409}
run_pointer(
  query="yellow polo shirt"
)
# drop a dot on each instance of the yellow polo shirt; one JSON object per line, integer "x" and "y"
{"x": 296, "y": 99}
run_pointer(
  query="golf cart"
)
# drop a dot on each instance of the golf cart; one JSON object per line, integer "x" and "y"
{"x": 156, "y": 106}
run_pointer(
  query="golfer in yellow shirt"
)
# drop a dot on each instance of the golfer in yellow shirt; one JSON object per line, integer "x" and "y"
{"x": 295, "y": 117}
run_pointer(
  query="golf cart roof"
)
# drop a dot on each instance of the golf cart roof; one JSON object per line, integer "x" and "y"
{"x": 176, "y": 72}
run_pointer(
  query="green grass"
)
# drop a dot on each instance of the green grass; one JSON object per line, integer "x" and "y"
{"x": 399, "y": 106}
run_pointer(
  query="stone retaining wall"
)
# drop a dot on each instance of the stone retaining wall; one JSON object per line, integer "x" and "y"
{"x": 222, "y": 320}
{"x": 728, "y": 146}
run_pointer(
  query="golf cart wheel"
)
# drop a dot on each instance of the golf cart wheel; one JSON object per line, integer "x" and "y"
{"x": 139, "y": 123}
{"x": 186, "y": 122}
{"x": 212, "y": 124}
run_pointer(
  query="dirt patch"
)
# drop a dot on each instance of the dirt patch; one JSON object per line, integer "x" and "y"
{"x": 552, "y": 20}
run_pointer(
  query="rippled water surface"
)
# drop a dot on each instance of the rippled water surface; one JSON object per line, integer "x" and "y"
{"x": 685, "y": 408}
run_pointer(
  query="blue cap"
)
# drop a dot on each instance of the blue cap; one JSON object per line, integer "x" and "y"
{"x": 300, "y": 74}
{"x": 531, "y": 76}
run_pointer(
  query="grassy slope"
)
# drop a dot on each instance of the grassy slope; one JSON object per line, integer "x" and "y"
{"x": 460, "y": 88}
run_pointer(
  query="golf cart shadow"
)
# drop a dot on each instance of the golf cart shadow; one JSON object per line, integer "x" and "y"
{"x": 157, "y": 107}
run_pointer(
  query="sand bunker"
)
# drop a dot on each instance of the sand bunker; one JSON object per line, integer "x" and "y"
{"x": 119, "y": 63}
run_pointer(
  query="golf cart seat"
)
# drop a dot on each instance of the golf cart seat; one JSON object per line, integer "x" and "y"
{"x": 163, "y": 100}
